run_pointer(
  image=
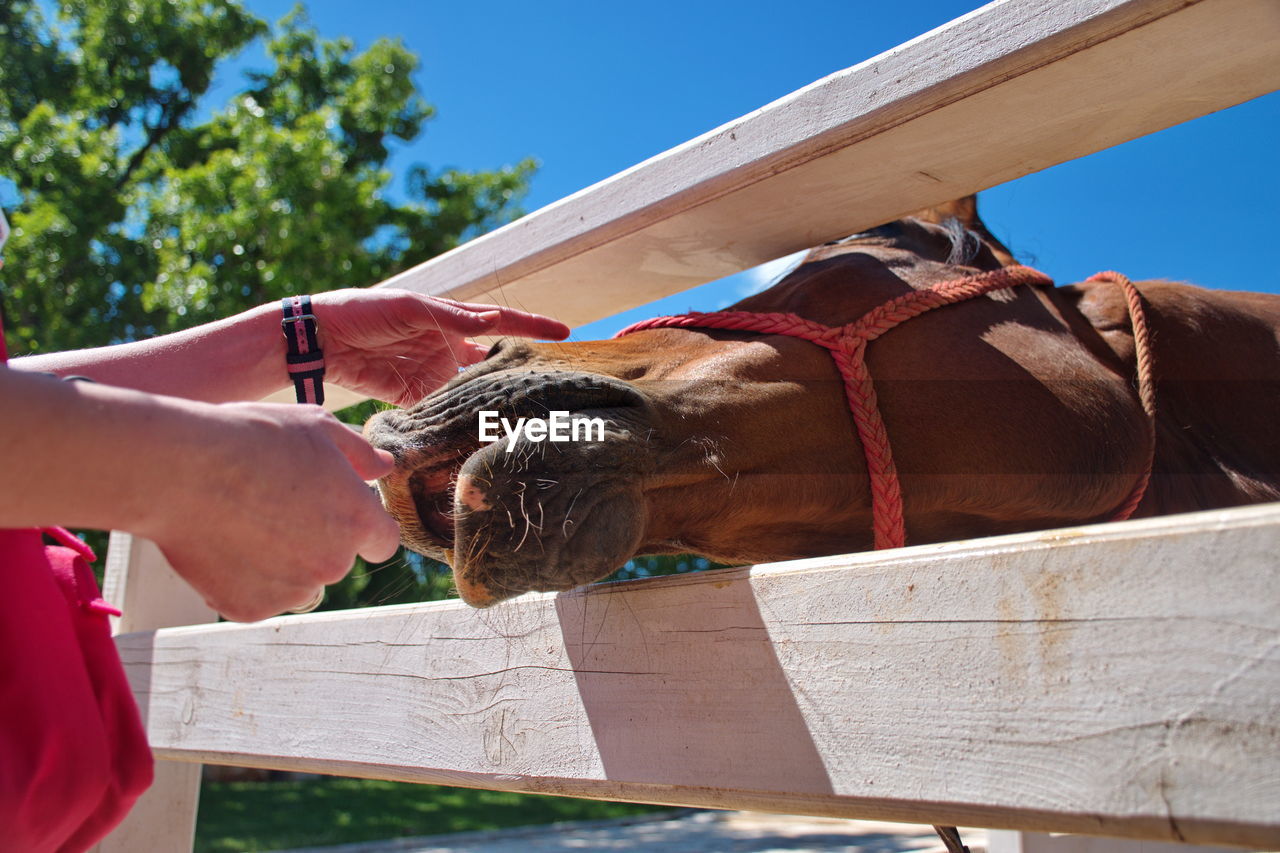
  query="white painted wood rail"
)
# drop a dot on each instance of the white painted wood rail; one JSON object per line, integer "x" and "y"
{"x": 1119, "y": 679}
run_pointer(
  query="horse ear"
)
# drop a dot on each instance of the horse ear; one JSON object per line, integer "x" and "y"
{"x": 966, "y": 211}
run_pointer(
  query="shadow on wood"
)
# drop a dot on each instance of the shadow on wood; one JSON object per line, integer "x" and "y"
{"x": 676, "y": 695}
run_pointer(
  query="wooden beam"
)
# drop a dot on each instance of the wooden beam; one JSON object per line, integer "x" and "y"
{"x": 1118, "y": 679}
{"x": 1012, "y": 88}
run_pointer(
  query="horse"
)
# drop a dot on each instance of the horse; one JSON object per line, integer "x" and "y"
{"x": 1018, "y": 409}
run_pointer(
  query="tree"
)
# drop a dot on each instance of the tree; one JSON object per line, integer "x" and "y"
{"x": 137, "y": 215}
{"x": 141, "y": 209}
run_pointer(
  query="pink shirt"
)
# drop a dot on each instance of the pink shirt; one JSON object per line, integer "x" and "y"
{"x": 73, "y": 752}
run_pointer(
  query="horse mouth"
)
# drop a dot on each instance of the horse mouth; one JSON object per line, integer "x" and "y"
{"x": 417, "y": 499}
{"x": 429, "y": 491}
{"x": 515, "y": 515}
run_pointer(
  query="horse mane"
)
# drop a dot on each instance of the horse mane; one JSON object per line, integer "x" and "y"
{"x": 965, "y": 242}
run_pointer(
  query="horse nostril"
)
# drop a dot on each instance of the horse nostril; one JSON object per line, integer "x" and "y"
{"x": 471, "y": 495}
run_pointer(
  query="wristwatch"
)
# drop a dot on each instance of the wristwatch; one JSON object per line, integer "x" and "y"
{"x": 305, "y": 359}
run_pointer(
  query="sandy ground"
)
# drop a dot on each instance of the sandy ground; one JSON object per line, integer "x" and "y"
{"x": 683, "y": 832}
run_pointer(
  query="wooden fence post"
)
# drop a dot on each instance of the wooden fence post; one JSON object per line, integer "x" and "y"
{"x": 140, "y": 582}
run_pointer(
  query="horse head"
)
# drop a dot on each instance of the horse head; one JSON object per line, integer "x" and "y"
{"x": 1008, "y": 412}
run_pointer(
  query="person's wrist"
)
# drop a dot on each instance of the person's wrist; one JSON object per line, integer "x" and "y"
{"x": 304, "y": 359}
{"x": 251, "y": 354}
{"x": 131, "y": 451}
{"x": 173, "y": 466}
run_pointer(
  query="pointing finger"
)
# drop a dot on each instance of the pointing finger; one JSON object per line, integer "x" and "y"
{"x": 369, "y": 462}
{"x": 523, "y": 324}
{"x": 474, "y": 319}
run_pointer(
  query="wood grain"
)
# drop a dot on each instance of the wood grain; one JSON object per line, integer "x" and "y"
{"x": 1119, "y": 679}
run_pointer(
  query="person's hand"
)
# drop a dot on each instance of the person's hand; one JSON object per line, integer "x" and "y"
{"x": 270, "y": 506}
{"x": 398, "y": 346}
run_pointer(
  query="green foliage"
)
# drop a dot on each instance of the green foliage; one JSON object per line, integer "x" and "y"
{"x": 137, "y": 216}
{"x": 667, "y": 564}
{"x": 404, "y": 579}
{"x": 237, "y": 816}
{"x": 410, "y": 577}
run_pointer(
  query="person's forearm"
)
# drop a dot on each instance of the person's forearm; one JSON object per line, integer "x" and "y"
{"x": 83, "y": 455}
{"x": 239, "y": 358}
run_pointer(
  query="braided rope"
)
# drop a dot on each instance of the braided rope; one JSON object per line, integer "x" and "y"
{"x": 1146, "y": 383}
{"x": 848, "y": 346}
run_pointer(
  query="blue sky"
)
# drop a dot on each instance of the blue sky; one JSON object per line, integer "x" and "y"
{"x": 590, "y": 89}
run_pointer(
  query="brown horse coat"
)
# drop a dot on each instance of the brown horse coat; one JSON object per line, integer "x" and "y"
{"x": 1012, "y": 411}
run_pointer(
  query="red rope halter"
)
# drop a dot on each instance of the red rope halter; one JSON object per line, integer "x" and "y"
{"x": 848, "y": 347}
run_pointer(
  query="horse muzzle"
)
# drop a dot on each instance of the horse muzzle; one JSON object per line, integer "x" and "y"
{"x": 520, "y": 480}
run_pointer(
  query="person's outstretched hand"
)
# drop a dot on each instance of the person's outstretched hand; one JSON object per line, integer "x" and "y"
{"x": 398, "y": 346}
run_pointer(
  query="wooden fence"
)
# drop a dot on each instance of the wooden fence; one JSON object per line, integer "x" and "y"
{"x": 1119, "y": 680}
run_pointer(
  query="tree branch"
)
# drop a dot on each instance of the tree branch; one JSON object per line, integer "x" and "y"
{"x": 171, "y": 113}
